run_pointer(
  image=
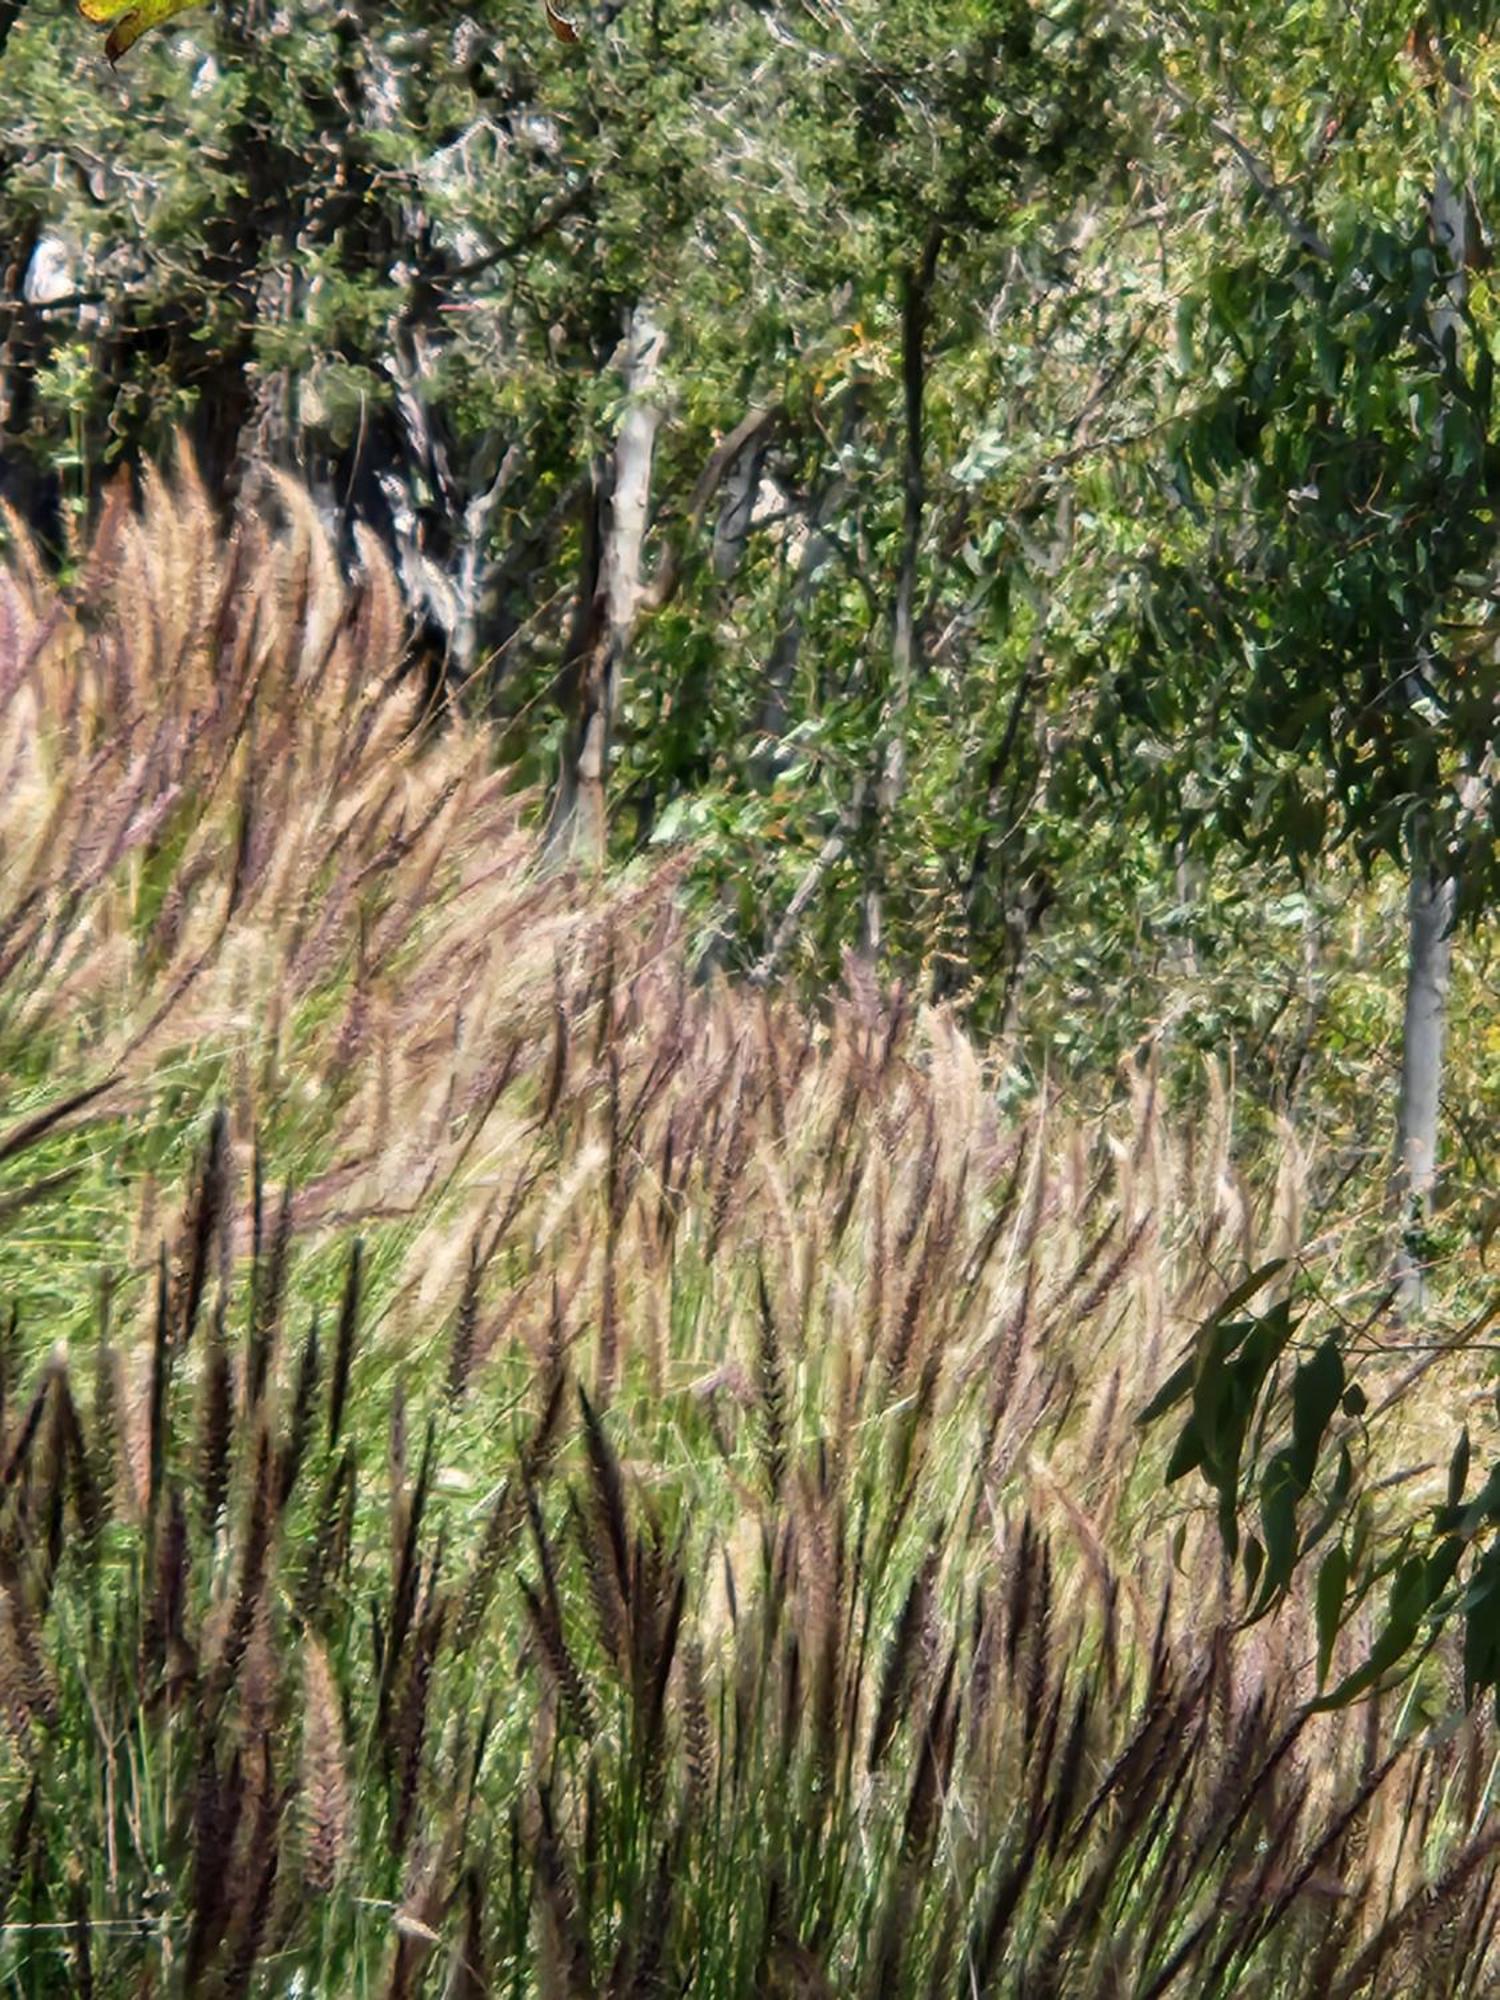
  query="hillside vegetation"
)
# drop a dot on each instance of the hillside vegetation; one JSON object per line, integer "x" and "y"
{"x": 529, "y": 1471}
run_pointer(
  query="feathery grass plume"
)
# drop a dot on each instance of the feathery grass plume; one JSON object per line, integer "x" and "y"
{"x": 299, "y": 1421}
{"x": 770, "y": 1385}
{"x": 401, "y": 1499}
{"x": 406, "y": 1580}
{"x": 415, "y": 1925}
{"x": 894, "y": 1936}
{"x": 901, "y": 1671}
{"x": 202, "y": 1224}
{"x": 546, "y": 1434}
{"x": 103, "y": 1445}
{"x": 557, "y": 1070}
{"x": 83, "y": 1949}
{"x": 9, "y": 1358}
{"x": 343, "y": 1347}
{"x": 461, "y": 1353}
{"x": 251, "y": 1911}
{"x": 564, "y": 1959}
{"x": 215, "y": 1425}
{"x": 502, "y": 1523}
{"x": 608, "y": 1489}
{"x": 330, "y": 1544}
{"x": 609, "y": 1606}
{"x": 18, "y": 1457}
{"x": 655, "y": 1650}
{"x": 157, "y": 1392}
{"x": 607, "y": 1367}
{"x": 410, "y": 1719}
{"x": 904, "y": 1331}
{"x": 544, "y": 1612}
{"x": 468, "y": 1970}
{"x": 1122, "y": 1261}
{"x": 324, "y": 1792}
{"x": 260, "y": 1518}
{"x": 22, "y": 1836}
{"x": 27, "y": 1694}
{"x": 920, "y": 1196}
{"x": 1069, "y": 1776}
{"x": 267, "y": 1298}
{"x": 697, "y": 1732}
{"x": 40, "y": 1503}
{"x": 1419, "y": 1911}
{"x": 259, "y": 1697}
{"x": 168, "y": 1654}
{"x": 733, "y": 1156}
{"x": 1023, "y": 1765}
{"x": 822, "y": 1581}
{"x": 75, "y": 1460}
{"x": 1038, "y": 1639}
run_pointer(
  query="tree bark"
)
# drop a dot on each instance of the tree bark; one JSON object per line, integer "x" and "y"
{"x": 579, "y": 822}
{"x": 774, "y": 708}
{"x": 10, "y": 13}
{"x": 1433, "y": 890}
{"x": 1429, "y": 917}
{"x": 916, "y": 304}
{"x": 584, "y": 632}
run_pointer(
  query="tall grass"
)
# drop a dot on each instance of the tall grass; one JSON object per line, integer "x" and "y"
{"x": 578, "y": 1482}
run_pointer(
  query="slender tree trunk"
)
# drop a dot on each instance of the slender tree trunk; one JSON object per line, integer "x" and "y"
{"x": 584, "y": 631}
{"x": 1433, "y": 890}
{"x": 579, "y": 822}
{"x": 1429, "y": 917}
{"x": 10, "y": 13}
{"x": 781, "y": 668}
{"x": 916, "y": 305}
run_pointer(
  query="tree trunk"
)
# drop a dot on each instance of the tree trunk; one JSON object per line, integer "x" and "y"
{"x": 579, "y": 821}
{"x": 774, "y": 707}
{"x": 1433, "y": 890}
{"x": 10, "y": 11}
{"x": 584, "y": 632}
{"x": 1429, "y": 910}
{"x": 916, "y": 306}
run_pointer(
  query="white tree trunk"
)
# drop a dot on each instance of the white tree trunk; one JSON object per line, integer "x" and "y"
{"x": 1429, "y": 913}
{"x": 1433, "y": 891}
{"x": 622, "y": 586}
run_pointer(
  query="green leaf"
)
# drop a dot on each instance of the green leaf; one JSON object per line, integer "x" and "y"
{"x": 1483, "y": 1508}
{"x": 1255, "y": 1557}
{"x": 1458, "y": 1468}
{"x": 1480, "y": 1606}
{"x": 1316, "y": 1391}
{"x": 1332, "y": 1588}
{"x": 1280, "y": 1492}
{"x": 1411, "y": 1595}
{"x": 1180, "y": 1380}
{"x": 130, "y": 21}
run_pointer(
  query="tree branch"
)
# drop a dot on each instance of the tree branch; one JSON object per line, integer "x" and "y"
{"x": 1260, "y": 175}
{"x": 663, "y": 586}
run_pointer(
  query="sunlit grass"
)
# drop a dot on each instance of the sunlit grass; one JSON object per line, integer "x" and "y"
{"x": 703, "y": 1542}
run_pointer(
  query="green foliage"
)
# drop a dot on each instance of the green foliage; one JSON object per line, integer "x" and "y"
{"x": 1334, "y": 460}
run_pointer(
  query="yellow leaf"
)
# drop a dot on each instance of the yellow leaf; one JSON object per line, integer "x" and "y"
{"x": 130, "y": 19}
